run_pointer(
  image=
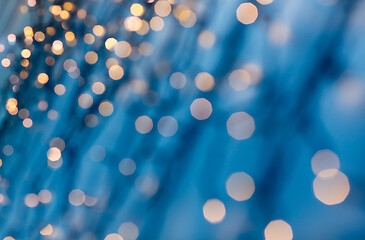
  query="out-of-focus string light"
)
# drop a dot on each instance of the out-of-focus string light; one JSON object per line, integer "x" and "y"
{"x": 206, "y": 39}
{"x": 76, "y": 197}
{"x": 157, "y": 24}
{"x": 214, "y": 211}
{"x": 129, "y": 231}
{"x": 177, "y": 80}
{"x": 48, "y": 230}
{"x": 106, "y": 108}
{"x": 137, "y": 9}
{"x": 240, "y": 186}
{"x": 324, "y": 159}
{"x": 265, "y": 2}
{"x": 201, "y": 109}
{"x": 143, "y": 124}
{"x": 331, "y": 186}
{"x": 127, "y": 166}
{"x": 247, "y": 13}
{"x": 113, "y": 236}
{"x": 31, "y": 200}
{"x": 240, "y": 125}
{"x": 122, "y": 49}
{"x": 116, "y": 72}
{"x": 167, "y": 126}
{"x": 278, "y": 230}
{"x": 204, "y": 81}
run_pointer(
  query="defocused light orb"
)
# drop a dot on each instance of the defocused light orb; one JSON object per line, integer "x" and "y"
{"x": 122, "y": 49}
{"x": 44, "y": 196}
{"x": 167, "y": 126}
{"x": 127, "y": 166}
{"x": 11, "y": 38}
{"x": 113, "y": 236}
{"x": 187, "y": 18}
{"x": 60, "y": 89}
{"x": 129, "y": 231}
{"x": 90, "y": 201}
{"x": 31, "y": 200}
{"x": 27, "y": 122}
{"x": 143, "y": 124}
{"x": 147, "y": 184}
{"x": 162, "y": 8}
{"x": 39, "y": 36}
{"x": 111, "y": 62}
{"x": 97, "y": 153}
{"x": 133, "y": 23}
{"x": 25, "y": 53}
{"x": 206, "y": 39}
{"x": 89, "y": 38}
{"x": 53, "y": 154}
{"x": 214, "y": 211}
{"x": 240, "y": 125}
{"x": 91, "y": 120}
{"x": 157, "y": 24}
{"x": 106, "y": 108}
{"x": 5, "y": 62}
{"x": 331, "y": 186}
{"x": 76, "y": 197}
{"x": 85, "y": 100}
{"x": 110, "y": 43}
{"x": 265, "y": 2}
{"x": 247, "y": 13}
{"x": 239, "y": 79}
{"x": 116, "y": 72}
{"x": 177, "y": 80}
{"x": 145, "y": 28}
{"x": 255, "y": 72}
{"x": 240, "y": 186}
{"x": 8, "y": 238}
{"x": 278, "y": 230}
{"x": 99, "y": 30}
{"x": 324, "y": 159}
{"x": 47, "y": 230}
{"x": 98, "y": 88}
{"x": 137, "y": 9}
{"x": 279, "y": 33}
{"x": 350, "y": 93}
{"x": 70, "y": 65}
{"x": 204, "y": 81}
{"x": 57, "y": 45}
{"x": 91, "y": 57}
{"x": 201, "y": 109}
{"x": 42, "y": 78}
{"x": 52, "y": 114}
{"x": 58, "y": 143}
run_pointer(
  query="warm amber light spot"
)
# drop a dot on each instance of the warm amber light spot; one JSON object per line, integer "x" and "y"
{"x": 247, "y": 13}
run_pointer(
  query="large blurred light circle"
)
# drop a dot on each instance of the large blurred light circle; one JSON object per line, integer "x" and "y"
{"x": 240, "y": 125}
{"x": 239, "y": 79}
{"x": 201, "y": 109}
{"x": 204, "y": 81}
{"x": 129, "y": 231}
{"x": 324, "y": 159}
{"x": 214, "y": 211}
{"x": 240, "y": 186}
{"x": 331, "y": 186}
{"x": 143, "y": 124}
{"x": 113, "y": 236}
{"x": 247, "y": 13}
{"x": 127, "y": 166}
{"x": 278, "y": 230}
{"x": 167, "y": 126}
